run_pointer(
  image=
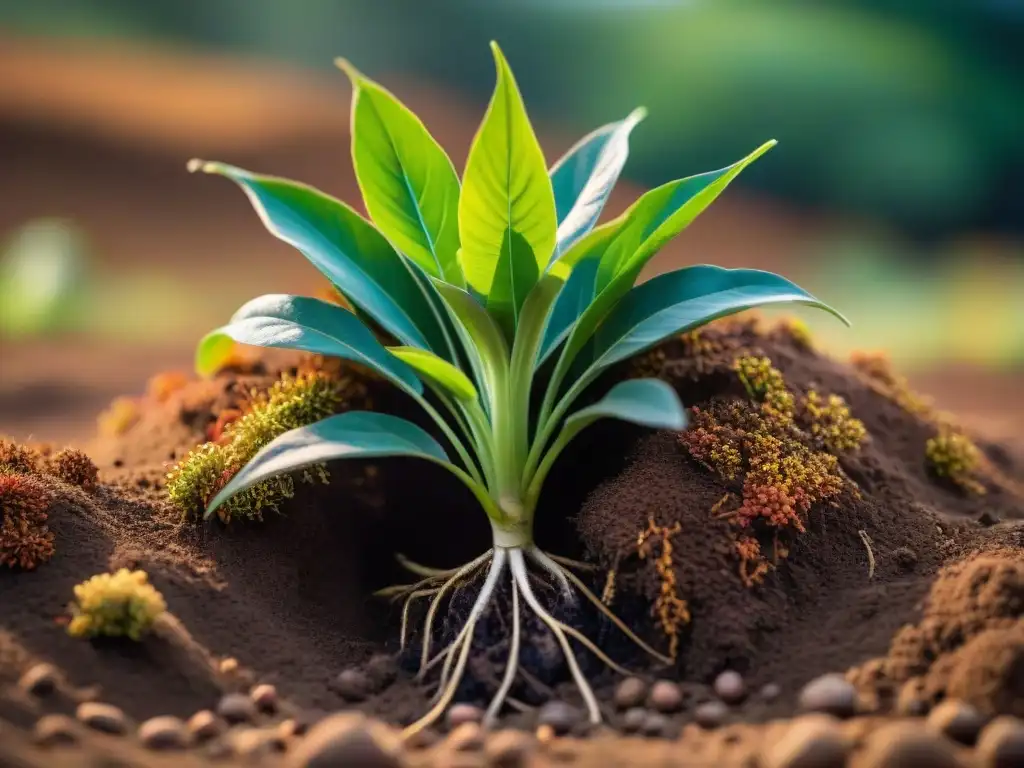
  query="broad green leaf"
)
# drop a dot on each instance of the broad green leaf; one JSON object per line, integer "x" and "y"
{"x": 572, "y": 302}
{"x": 483, "y": 340}
{"x": 647, "y": 402}
{"x": 513, "y": 280}
{"x": 661, "y": 214}
{"x": 505, "y": 187}
{"x": 346, "y": 248}
{"x": 408, "y": 183}
{"x": 310, "y": 325}
{"x": 352, "y": 435}
{"x": 679, "y": 301}
{"x": 584, "y": 177}
{"x": 638, "y": 234}
{"x": 437, "y": 370}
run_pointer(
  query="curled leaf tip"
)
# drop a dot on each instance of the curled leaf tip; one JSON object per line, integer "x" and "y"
{"x": 346, "y": 66}
{"x": 637, "y": 115}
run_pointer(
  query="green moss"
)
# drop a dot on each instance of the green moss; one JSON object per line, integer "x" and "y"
{"x": 954, "y": 456}
{"x": 292, "y": 402}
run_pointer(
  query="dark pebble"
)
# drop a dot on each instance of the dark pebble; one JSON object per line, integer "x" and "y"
{"x": 909, "y": 745}
{"x": 906, "y": 558}
{"x": 771, "y": 691}
{"x": 831, "y": 694}
{"x": 236, "y": 708}
{"x": 559, "y": 716}
{"x": 654, "y": 724}
{"x": 634, "y": 719}
{"x": 102, "y": 717}
{"x": 665, "y": 696}
{"x": 711, "y": 714}
{"x": 381, "y": 671}
{"x": 957, "y": 720}
{"x": 40, "y": 680}
{"x": 730, "y": 687}
{"x": 164, "y": 733}
{"x": 353, "y": 685}
{"x": 463, "y": 713}
{"x": 265, "y": 698}
{"x": 347, "y": 739}
{"x": 630, "y": 693}
{"x": 467, "y": 737}
{"x": 205, "y": 725}
{"x": 510, "y": 748}
{"x": 55, "y": 730}
{"x": 811, "y": 741}
{"x": 1001, "y": 744}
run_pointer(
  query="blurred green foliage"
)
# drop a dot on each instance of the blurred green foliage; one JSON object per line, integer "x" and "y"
{"x": 904, "y": 110}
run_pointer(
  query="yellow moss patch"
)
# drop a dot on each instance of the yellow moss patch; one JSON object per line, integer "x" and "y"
{"x": 119, "y": 417}
{"x": 830, "y": 420}
{"x": 122, "y": 604}
{"x": 954, "y": 456}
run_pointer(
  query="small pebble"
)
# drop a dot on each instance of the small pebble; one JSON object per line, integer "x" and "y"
{"x": 381, "y": 670}
{"x": 957, "y": 720}
{"x": 711, "y": 714}
{"x": 730, "y": 687}
{"x": 771, "y": 691}
{"x": 164, "y": 733}
{"x": 811, "y": 741}
{"x": 265, "y": 698}
{"x": 347, "y": 739}
{"x": 909, "y": 745}
{"x": 102, "y": 717}
{"x": 55, "y": 730}
{"x": 466, "y": 737}
{"x": 510, "y": 748}
{"x": 665, "y": 696}
{"x": 634, "y": 719}
{"x": 228, "y": 666}
{"x": 831, "y": 694}
{"x": 559, "y": 716}
{"x": 352, "y": 685}
{"x": 205, "y": 725}
{"x": 630, "y": 693}
{"x": 236, "y": 708}
{"x": 654, "y": 724}
{"x": 40, "y": 680}
{"x": 253, "y": 743}
{"x": 1001, "y": 744}
{"x": 463, "y": 713}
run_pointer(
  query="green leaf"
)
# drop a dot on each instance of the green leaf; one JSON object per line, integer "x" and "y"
{"x": 346, "y": 248}
{"x": 437, "y": 370}
{"x": 661, "y": 214}
{"x": 505, "y": 187}
{"x": 310, "y": 325}
{"x": 638, "y": 234}
{"x": 583, "y": 178}
{"x": 572, "y": 302}
{"x": 647, "y": 402}
{"x": 482, "y": 339}
{"x": 513, "y": 280}
{"x": 352, "y": 435}
{"x": 408, "y": 183}
{"x": 679, "y": 301}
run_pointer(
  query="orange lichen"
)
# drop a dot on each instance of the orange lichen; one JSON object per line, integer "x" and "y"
{"x": 18, "y": 458}
{"x": 671, "y": 610}
{"x": 163, "y": 385}
{"x": 753, "y": 566}
{"x": 25, "y": 540}
{"x": 119, "y": 417}
{"x": 74, "y": 467}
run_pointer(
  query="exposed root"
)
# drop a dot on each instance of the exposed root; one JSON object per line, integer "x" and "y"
{"x": 454, "y": 657}
{"x": 871, "y": 555}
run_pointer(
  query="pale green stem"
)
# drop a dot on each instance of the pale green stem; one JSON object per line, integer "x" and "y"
{"x": 546, "y": 428}
{"x": 448, "y": 433}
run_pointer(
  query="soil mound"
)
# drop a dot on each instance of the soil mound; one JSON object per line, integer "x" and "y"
{"x": 825, "y": 598}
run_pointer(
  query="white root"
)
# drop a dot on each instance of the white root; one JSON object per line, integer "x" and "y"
{"x": 456, "y": 655}
{"x": 522, "y": 578}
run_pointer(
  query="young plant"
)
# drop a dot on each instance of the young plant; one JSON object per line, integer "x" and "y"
{"x": 490, "y": 286}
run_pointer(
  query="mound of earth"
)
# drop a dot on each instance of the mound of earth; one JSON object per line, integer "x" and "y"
{"x": 907, "y": 582}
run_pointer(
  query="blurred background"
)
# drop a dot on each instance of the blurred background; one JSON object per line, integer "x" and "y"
{"x": 895, "y": 192}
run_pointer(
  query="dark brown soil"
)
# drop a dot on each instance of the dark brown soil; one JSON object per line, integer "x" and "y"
{"x": 289, "y": 598}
